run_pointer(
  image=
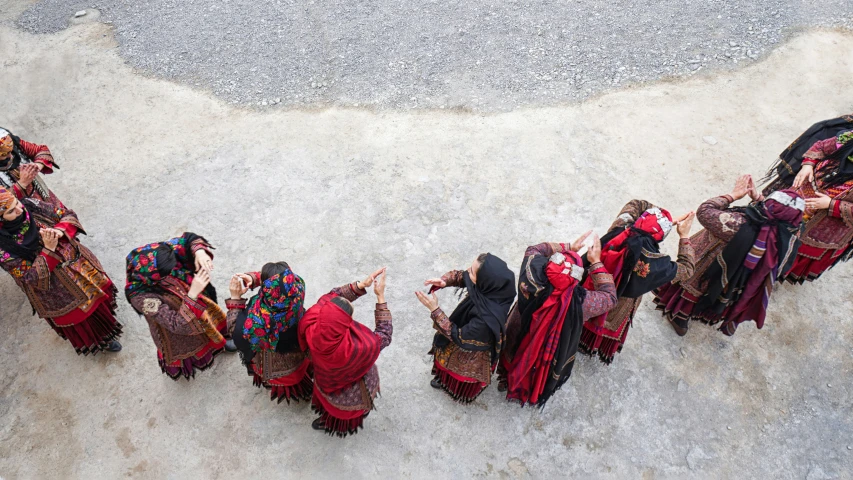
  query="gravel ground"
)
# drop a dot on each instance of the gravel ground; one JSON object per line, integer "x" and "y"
{"x": 474, "y": 55}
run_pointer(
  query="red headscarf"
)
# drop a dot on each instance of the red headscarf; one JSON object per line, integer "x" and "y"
{"x": 342, "y": 350}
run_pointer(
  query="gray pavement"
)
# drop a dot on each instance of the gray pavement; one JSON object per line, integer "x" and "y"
{"x": 472, "y": 55}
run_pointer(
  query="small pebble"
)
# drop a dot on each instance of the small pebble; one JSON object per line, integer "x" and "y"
{"x": 80, "y": 14}
{"x": 728, "y": 428}
{"x": 710, "y": 140}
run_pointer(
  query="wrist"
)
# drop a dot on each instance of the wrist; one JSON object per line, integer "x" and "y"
{"x": 380, "y": 299}
{"x": 359, "y": 285}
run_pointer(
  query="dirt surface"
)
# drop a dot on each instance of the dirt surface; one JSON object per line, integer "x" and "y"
{"x": 339, "y": 192}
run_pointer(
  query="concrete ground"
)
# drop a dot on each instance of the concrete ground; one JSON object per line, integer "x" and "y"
{"x": 338, "y": 192}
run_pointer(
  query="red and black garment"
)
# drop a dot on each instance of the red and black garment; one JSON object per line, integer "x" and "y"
{"x": 781, "y": 175}
{"x": 342, "y": 350}
{"x": 632, "y": 253}
{"x": 550, "y": 304}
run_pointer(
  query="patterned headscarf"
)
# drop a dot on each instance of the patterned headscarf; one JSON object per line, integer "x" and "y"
{"x": 7, "y": 199}
{"x": 7, "y": 145}
{"x": 277, "y": 307}
{"x": 149, "y": 264}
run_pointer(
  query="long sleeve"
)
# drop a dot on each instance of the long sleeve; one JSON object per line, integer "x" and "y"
{"x": 820, "y": 150}
{"x": 441, "y": 323}
{"x": 454, "y": 278}
{"x": 349, "y": 291}
{"x": 384, "y": 328}
{"x": 38, "y": 154}
{"x": 686, "y": 260}
{"x": 630, "y": 213}
{"x": 546, "y": 249}
{"x": 603, "y": 299}
{"x": 234, "y": 306}
{"x": 183, "y": 321}
{"x": 35, "y": 274}
{"x": 722, "y": 224}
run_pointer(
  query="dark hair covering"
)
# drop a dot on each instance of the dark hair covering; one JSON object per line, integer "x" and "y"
{"x": 480, "y": 318}
{"x": 30, "y": 245}
{"x": 288, "y": 340}
{"x": 781, "y": 174}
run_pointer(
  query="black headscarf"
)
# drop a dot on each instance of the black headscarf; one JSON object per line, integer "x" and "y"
{"x": 720, "y": 294}
{"x": 27, "y": 248}
{"x": 479, "y": 320}
{"x": 781, "y": 174}
{"x": 639, "y": 246}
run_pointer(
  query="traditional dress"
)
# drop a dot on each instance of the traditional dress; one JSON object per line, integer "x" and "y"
{"x": 827, "y": 235}
{"x": 343, "y": 354}
{"x": 631, "y": 251}
{"x": 265, "y": 332}
{"x": 544, "y": 326}
{"x": 24, "y": 152}
{"x": 468, "y": 343}
{"x": 188, "y": 333}
{"x": 739, "y": 256}
{"x": 67, "y": 287}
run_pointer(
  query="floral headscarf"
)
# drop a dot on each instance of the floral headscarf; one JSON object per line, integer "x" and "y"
{"x": 277, "y": 307}
{"x": 149, "y": 264}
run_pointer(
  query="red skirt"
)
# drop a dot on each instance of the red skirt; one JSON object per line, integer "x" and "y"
{"x": 92, "y": 331}
{"x": 460, "y": 388}
{"x": 811, "y": 262}
{"x": 202, "y": 360}
{"x": 336, "y": 421}
{"x": 296, "y": 386}
{"x": 677, "y": 304}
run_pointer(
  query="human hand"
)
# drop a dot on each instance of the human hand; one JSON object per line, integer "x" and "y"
{"x": 430, "y": 301}
{"x": 684, "y": 223}
{"x": 238, "y": 286}
{"x": 578, "y": 244}
{"x": 379, "y": 287}
{"x": 363, "y": 284}
{"x": 594, "y": 252}
{"x": 435, "y": 283}
{"x": 200, "y": 282}
{"x": 821, "y": 202}
{"x": 203, "y": 261}
{"x": 50, "y": 237}
{"x": 741, "y": 187}
{"x": 28, "y": 174}
{"x": 806, "y": 174}
{"x": 754, "y": 194}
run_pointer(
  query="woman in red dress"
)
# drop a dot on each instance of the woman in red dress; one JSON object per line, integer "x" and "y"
{"x": 64, "y": 281}
{"x": 820, "y": 165}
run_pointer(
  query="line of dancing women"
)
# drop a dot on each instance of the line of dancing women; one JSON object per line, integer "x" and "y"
{"x": 570, "y": 297}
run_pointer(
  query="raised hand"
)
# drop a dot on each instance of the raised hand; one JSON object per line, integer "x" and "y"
{"x": 379, "y": 287}
{"x": 363, "y": 284}
{"x": 430, "y": 301}
{"x": 578, "y": 244}
{"x": 50, "y": 238}
{"x": 806, "y": 174}
{"x": 741, "y": 187}
{"x": 200, "y": 282}
{"x": 238, "y": 286}
{"x": 436, "y": 283}
{"x": 203, "y": 261}
{"x": 594, "y": 252}
{"x": 28, "y": 174}
{"x": 684, "y": 223}
{"x": 754, "y": 194}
